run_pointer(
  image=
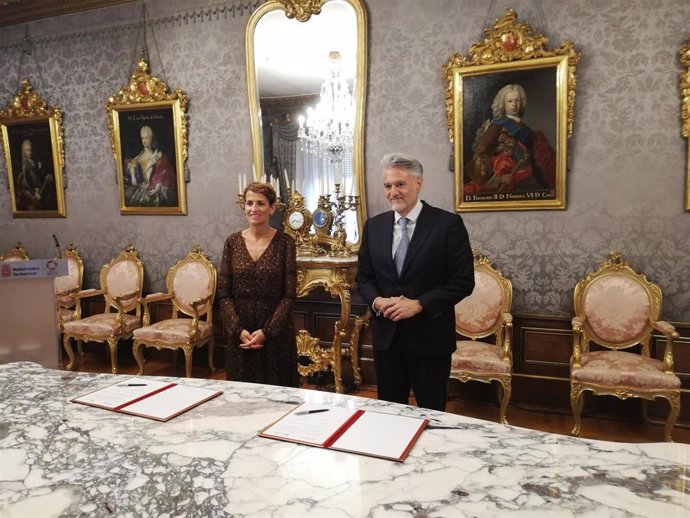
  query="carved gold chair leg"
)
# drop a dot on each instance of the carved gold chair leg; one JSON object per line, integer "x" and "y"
{"x": 188, "y": 360}
{"x": 138, "y": 352}
{"x": 507, "y": 389}
{"x": 338, "y": 357}
{"x": 70, "y": 352}
{"x": 360, "y": 323}
{"x": 576, "y": 405}
{"x": 674, "y": 411}
{"x": 112, "y": 345}
{"x": 79, "y": 347}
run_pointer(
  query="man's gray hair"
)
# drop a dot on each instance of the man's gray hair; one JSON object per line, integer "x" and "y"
{"x": 403, "y": 161}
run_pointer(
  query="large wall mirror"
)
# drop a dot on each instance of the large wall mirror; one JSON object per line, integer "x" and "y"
{"x": 307, "y": 75}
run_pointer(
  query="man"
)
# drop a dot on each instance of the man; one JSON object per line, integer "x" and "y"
{"x": 414, "y": 317}
{"x": 32, "y": 181}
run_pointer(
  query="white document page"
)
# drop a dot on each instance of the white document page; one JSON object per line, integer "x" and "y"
{"x": 170, "y": 402}
{"x": 314, "y": 429}
{"x": 116, "y": 395}
{"x": 380, "y": 435}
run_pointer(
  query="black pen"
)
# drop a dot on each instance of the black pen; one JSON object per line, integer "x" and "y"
{"x": 134, "y": 385}
{"x": 305, "y": 412}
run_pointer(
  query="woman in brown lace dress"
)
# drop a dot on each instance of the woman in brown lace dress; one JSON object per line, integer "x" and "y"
{"x": 257, "y": 286}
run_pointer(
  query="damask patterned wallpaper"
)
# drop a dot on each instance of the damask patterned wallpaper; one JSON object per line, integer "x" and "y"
{"x": 627, "y": 156}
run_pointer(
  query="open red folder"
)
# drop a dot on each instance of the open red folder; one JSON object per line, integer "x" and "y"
{"x": 143, "y": 397}
{"x": 352, "y": 430}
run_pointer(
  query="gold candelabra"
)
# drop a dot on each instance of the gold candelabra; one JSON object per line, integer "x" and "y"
{"x": 328, "y": 219}
{"x": 338, "y": 207}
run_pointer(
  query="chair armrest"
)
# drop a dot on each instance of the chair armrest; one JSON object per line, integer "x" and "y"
{"x": 664, "y": 327}
{"x": 576, "y": 359}
{"x": 506, "y": 336}
{"x": 194, "y": 331}
{"x": 83, "y": 294}
{"x": 200, "y": 302}
{"x": 118, "y": 300}
{"x": 155, "y": 297}
{"x": 671, "y": 335}
{"x": 68, "y": 291}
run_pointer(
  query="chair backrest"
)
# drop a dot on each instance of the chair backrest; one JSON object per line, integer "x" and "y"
{"x": 15, "y": 254}
{"x": 71, "y": 281}
{"x": 191, "y": 279}
{"x": 479, "y": 314}
{"x": 121, "y": 276}
{"x": 617, "y": 305}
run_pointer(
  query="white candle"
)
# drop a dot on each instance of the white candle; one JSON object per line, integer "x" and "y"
{"x": 253, "y": 172}
{"x": 239, "y": 183}
{"x": 285, "y": 176}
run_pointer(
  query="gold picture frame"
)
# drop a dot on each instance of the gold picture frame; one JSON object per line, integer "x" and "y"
{"x": 33, "y": 146}
{"x": 508, "y": 156}
{"x": 148, "y": 135}
{"x": 685, "y": 112}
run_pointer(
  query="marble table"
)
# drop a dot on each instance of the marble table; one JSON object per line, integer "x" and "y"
{"x": 62, "y": 459}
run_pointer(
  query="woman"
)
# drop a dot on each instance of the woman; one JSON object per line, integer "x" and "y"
{"x": 257, "y": 286}
{"x": 150, "y": 180}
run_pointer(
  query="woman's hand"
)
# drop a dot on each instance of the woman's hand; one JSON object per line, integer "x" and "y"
{"x": 256, "y": 340}
{"x": 245, "y": 338}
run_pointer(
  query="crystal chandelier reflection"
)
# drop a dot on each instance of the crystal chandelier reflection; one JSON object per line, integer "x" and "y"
{"x": 327, "y": 130}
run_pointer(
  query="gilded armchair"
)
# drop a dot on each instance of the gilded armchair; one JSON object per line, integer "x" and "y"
{"x": 121, "y": 284}
{"x": 617, "y": 308}
{"x": 69, "y": 308}
{"x": 191, "y": 284}
{"x": 15, "y": 254}
{"x": 485, "y": 313}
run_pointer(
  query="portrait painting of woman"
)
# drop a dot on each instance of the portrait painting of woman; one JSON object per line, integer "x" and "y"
{"x": 149, "y": 178}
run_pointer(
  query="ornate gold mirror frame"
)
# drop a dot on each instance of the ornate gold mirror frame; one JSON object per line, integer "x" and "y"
{"x": 33, "y": 145}
{"x": 511, "y": 157}
{"x": 305, "y": 12}
{"x": 685, "y": 111}
{"x": 148, "y": 135}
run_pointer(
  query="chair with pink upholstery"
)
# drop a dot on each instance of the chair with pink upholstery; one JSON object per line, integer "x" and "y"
{"x": 485, "y": 313}
{"x": 191, "y": 285}
{"x": 618, "y": 309}
{"x": 122, "y": 280}
{"x": 15, "y": 254}
{"x": 69, "y": 308}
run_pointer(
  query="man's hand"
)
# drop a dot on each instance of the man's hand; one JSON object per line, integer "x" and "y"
{"x": 399, "y": 308}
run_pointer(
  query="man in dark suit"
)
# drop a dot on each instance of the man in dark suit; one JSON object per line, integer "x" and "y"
{"x": 415, "y": 264}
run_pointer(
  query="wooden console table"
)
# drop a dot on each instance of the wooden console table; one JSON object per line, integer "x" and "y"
{"x": 336, "y": 275}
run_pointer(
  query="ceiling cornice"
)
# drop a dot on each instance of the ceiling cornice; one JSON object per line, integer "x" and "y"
{"x": 14, "y": 12}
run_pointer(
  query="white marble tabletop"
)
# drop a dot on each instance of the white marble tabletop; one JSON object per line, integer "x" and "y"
{"x": 63, "y": 459}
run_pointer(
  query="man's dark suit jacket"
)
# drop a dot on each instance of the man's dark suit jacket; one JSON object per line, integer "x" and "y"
{"x": 438, "y": 271}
